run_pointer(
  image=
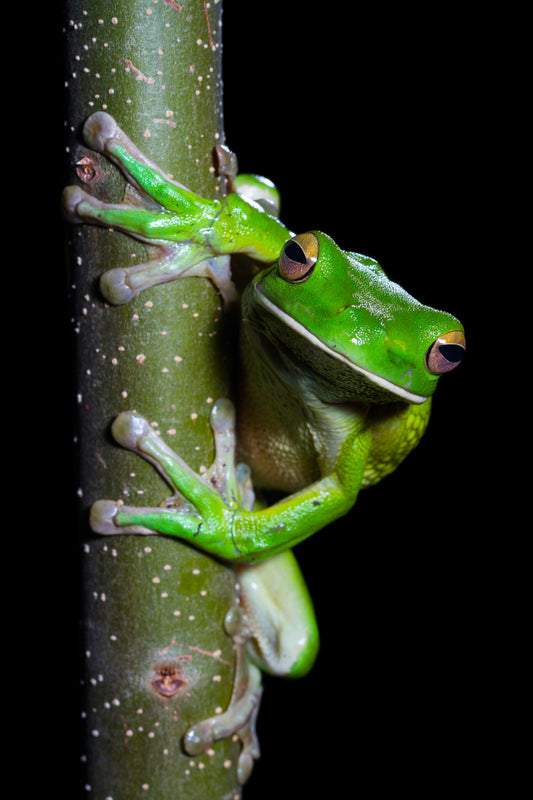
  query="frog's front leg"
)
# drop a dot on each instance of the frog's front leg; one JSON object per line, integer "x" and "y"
{"x": 221, "y": 525}
{"x": 155, "y": 210}
{"x": 193, "y": 234}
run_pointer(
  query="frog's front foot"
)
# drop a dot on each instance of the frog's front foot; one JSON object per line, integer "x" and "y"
{"x": 156, "y": 210}
{"x": 202, "y": 508}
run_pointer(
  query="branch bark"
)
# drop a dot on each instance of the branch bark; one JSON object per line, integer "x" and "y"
{"x": 155, "y": 655}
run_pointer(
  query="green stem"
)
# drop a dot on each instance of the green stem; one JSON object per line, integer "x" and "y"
{"x": 156, "y": 659}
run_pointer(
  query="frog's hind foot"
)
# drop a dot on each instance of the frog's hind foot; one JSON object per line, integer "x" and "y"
{"x": 240, "y": 716}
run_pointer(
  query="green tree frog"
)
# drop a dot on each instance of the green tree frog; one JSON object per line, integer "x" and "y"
{"x": 337, "y": 368}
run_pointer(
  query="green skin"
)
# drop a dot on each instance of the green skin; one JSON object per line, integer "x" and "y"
{"x": 346, "y": 360}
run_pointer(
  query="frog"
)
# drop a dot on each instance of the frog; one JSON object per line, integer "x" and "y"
{"x": 337, "y": 368}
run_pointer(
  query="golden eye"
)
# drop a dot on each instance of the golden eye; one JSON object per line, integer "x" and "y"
{"x": 446, "y": 352}
{"x": 298, "y": 258}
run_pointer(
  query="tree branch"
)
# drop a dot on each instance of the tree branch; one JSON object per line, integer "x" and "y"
{"x": 155, "y": 655}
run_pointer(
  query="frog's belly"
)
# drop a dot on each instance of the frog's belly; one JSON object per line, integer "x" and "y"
{"x": 281, "y": 455}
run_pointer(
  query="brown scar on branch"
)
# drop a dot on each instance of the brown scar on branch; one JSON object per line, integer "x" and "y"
{"x": 215, "y": 655}
{"x": 172, "y": 4}
{"x": 140, "y": 75}
{"x": 211, "y": 45}
{"x": 165, "y": 122}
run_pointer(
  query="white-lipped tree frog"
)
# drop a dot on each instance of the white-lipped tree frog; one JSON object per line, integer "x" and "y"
{"x": 337, "y": 368}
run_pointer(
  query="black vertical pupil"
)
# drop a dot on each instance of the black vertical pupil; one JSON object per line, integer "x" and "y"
{"x": 294, "y": 251}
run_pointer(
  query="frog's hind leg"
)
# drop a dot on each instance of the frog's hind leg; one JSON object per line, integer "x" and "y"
{"x": 241, "y": 714}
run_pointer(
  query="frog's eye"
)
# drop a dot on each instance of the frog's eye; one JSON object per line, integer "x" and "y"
{"x": 298, "y": 258}
{"x": 446, "y": 352}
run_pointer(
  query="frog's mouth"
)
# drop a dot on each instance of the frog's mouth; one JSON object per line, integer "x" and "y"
{"x": 342, "y": 377}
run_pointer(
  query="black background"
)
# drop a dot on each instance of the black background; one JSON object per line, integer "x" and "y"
{"x": 388, "y": 129}
{"x": 382, "y": 127}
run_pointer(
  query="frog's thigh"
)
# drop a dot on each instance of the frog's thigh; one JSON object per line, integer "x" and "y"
{"x": 280, "y": 614}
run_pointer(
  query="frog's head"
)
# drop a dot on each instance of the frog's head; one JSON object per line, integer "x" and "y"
{"x": 353, "y": 332}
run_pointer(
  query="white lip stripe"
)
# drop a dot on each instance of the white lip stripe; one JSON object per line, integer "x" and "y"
{"x": 300, "y": 329}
